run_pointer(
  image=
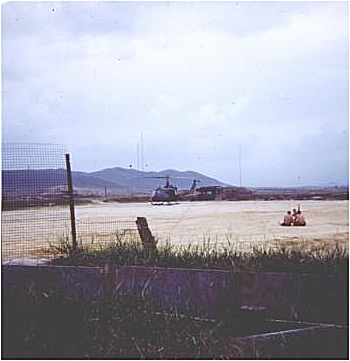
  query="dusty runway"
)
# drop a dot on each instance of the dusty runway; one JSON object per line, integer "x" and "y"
{"x": 248, "y": 222}
{"x": 243, "y": 224}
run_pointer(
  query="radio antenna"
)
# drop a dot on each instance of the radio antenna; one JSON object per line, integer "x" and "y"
{"x": 240, "y": 163}
{"x": 138, "y": 155}
{"x": 142, "y": 168}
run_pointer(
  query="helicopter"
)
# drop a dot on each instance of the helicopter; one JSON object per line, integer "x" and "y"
{"x": 168, "y": 193}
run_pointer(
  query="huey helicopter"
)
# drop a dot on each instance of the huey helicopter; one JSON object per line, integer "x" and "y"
{"x": 168, "y": 193}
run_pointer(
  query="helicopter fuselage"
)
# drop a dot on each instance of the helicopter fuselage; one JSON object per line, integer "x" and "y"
{"x": 164, "y": 194}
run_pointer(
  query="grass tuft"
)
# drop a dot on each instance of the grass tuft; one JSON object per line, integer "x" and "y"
{"x": 207, "y": 255}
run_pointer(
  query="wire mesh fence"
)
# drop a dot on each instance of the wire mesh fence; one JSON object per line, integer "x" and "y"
{"x": 98, "y": 232}
{"x": 34, "y": 198}
{"x": 35, "y": 214}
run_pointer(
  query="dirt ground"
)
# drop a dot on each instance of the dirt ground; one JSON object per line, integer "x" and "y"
{"x": 243, "y": 224}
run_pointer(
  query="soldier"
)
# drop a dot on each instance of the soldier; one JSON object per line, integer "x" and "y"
{"x": 299, "y": 219}
{"x": 288, "y": 219}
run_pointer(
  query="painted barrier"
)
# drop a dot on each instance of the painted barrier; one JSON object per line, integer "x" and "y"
{"x": 205, "y": 293}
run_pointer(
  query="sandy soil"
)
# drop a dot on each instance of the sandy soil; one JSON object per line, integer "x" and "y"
{"x": 240, "y": 223}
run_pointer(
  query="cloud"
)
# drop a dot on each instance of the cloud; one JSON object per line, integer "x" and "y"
{"x": 197, "y": 78}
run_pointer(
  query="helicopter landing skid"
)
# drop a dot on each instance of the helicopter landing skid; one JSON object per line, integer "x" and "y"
{"x": 164, "y": 203}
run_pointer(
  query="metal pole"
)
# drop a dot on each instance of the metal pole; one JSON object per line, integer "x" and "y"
{"x": 142, "y": 152}
{"x": 240, "y": 164}
{"x": 71, "y": 203}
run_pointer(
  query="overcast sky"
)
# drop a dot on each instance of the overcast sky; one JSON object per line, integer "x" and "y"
{"x": 200, "y": 80}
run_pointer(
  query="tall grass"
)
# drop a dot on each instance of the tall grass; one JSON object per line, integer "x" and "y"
{"x": 127, "y": 328}
{"x": 126, "y": 252}
{"x": 48, "y": 325}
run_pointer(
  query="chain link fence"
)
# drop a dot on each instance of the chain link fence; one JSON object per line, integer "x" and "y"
{"x": 35, "y": 215}
{"x": 34, "y": 199}
{"x": 99, "y": 231}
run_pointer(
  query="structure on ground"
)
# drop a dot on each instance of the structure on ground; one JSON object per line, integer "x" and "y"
{"x": 211, "y": 193}
{"x": 265, "y": 312}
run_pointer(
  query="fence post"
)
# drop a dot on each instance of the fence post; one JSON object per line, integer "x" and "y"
{"x": 146, "y": 236}
{"x": 71, "y": 203}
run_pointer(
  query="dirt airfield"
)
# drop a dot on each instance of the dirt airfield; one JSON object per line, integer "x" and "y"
{"x": 241, "y": 224}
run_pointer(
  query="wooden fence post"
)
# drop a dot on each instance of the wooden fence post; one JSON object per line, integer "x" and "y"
{"x": 147, "y": 238}
{"x": 71, "y": 203}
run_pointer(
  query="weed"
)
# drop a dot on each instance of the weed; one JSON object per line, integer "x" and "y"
{"x": 208, "y": 255}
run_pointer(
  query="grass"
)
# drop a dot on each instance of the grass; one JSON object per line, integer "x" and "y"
{"x": 126, "y": 252}
{"x": 48, "y": 325}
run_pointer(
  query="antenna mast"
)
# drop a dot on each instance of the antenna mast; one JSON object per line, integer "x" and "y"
{"x": 138, "y": 155}
{"x": 142, "y": 168}
{"x": 240, "y": 163}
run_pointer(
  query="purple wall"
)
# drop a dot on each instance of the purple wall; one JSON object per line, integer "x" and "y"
{"x": 198, "y": 292}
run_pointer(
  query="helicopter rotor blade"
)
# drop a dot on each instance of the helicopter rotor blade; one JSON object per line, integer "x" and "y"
{"x": 146, "y": 177}
{"x": 163, "y": 177}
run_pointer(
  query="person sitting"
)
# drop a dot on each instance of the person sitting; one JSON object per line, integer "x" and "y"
{"x": 288, "y": 219}
{"x": 299, "y": 220}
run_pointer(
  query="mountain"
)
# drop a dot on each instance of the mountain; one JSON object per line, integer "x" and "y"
{"x": 145, "y": 181}
{"x": 31, "y": 181}
{"x": 89, "y": 180}
{"x": 116, "y": 180}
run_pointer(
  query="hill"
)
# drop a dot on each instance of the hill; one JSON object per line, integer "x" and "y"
{"x": 117, "y": 180}
{"x": 134, "y": 180}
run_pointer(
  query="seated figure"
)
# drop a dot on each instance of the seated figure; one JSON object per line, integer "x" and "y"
{"x": 299, "y": 220}
{"x": 288, "y": 219}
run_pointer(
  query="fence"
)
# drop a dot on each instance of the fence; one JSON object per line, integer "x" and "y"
{"x": 98, "y": 231}
{"x": 35, "y": 212}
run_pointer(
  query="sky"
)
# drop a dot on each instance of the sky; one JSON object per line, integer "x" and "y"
{"x": 250, "y": 93}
